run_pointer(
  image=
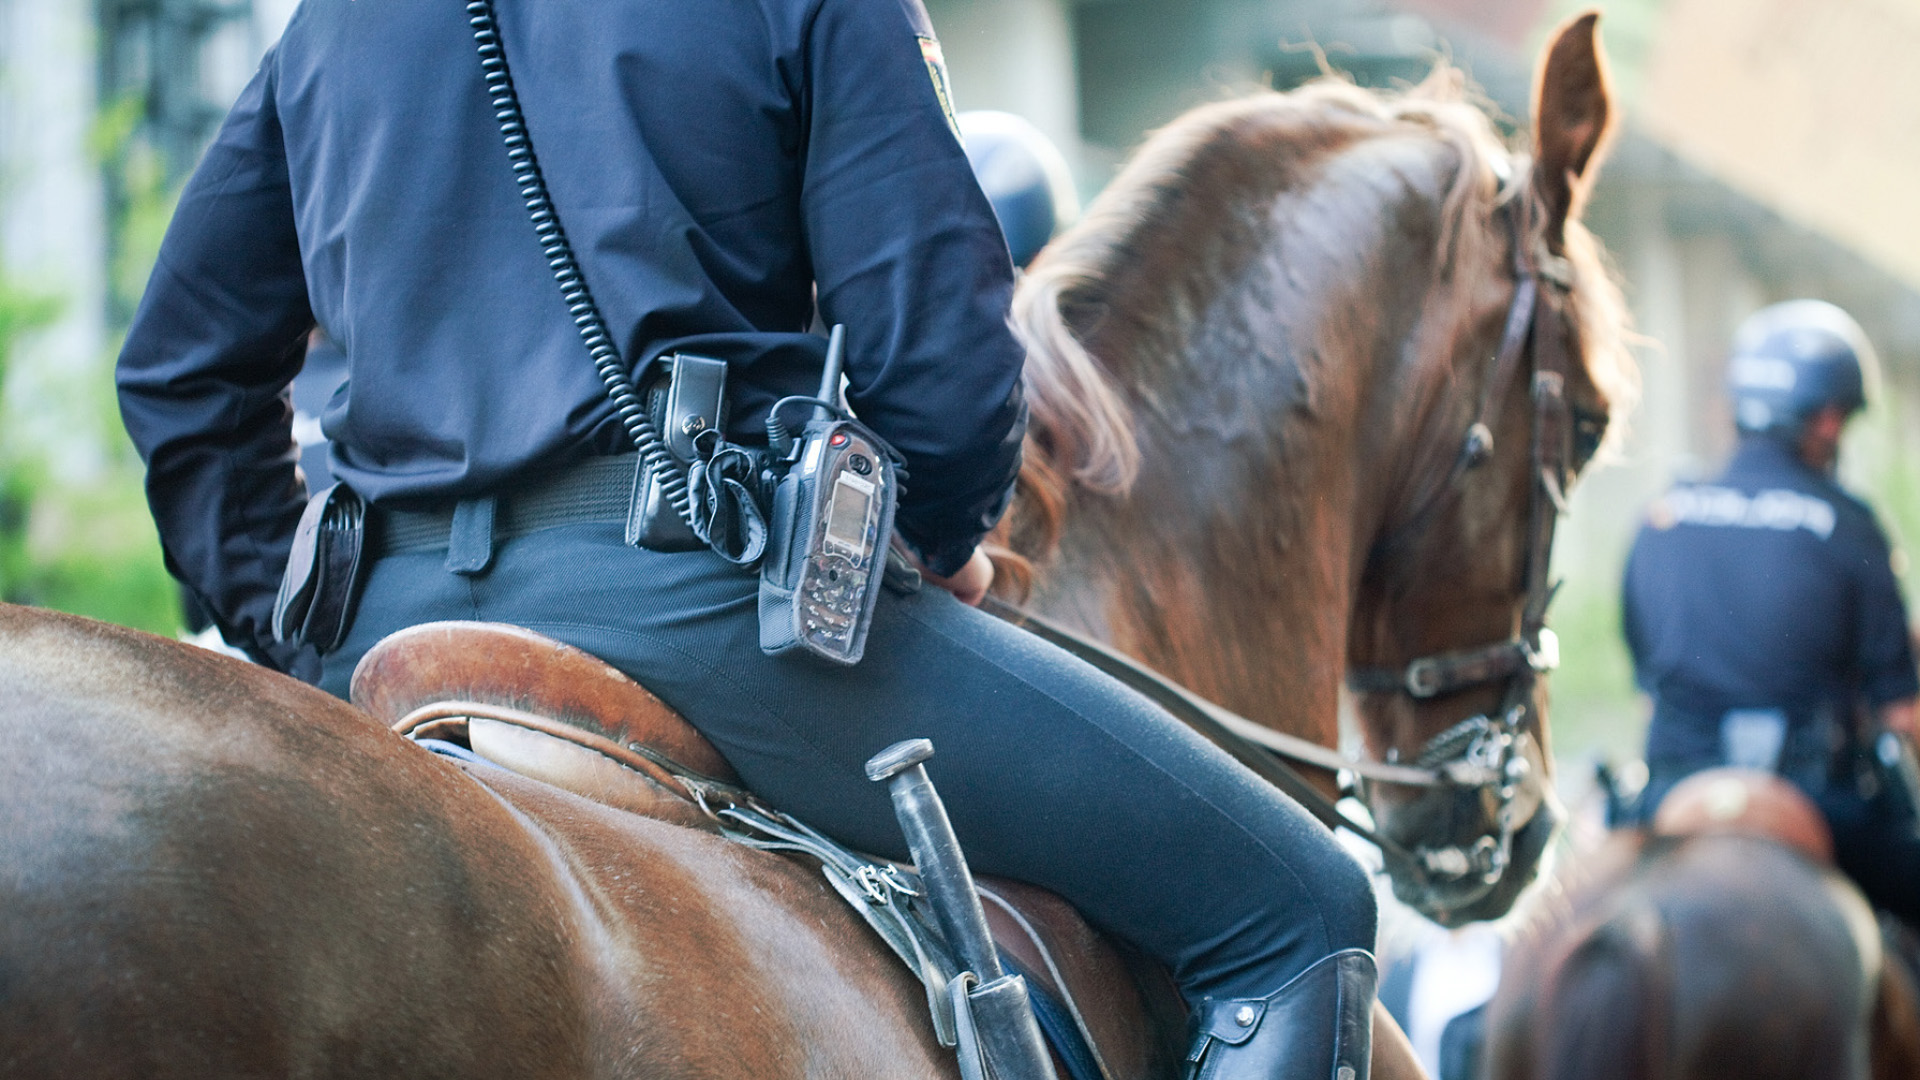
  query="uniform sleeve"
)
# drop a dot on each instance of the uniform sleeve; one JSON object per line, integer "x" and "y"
{"x": 907, "y": 253}
{"x": 216, "y": 339}
{"x": 1883, "y": 639}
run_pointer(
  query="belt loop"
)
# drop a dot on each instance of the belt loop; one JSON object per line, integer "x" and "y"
{"x": 470, "y": 541}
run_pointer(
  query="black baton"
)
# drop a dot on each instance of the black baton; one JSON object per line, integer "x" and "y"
{"x": 1009, "y": 1036}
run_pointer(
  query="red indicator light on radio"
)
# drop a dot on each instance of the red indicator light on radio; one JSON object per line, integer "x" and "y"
{"x": 838, "y": 438}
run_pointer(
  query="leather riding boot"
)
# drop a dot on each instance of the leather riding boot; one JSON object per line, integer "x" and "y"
{"x": 1317, "y": 1027}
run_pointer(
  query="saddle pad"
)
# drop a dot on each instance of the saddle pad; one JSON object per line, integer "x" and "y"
{"x": 1132, "y": 1032}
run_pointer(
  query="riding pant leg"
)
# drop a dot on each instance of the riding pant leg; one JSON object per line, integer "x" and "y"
{"x": 1053, "y": 773}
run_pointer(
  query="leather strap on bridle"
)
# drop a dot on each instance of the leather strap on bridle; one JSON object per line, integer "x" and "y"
{"x": 1450, "y": 672}
{"x": 1534, "y": 650}
{"x": 1487, "y": 747}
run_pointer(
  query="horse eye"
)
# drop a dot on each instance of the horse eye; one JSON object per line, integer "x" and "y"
{"x": 1588, "y": 429}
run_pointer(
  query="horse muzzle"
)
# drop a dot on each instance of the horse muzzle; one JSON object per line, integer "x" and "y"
{"x": 1477, "y": 843}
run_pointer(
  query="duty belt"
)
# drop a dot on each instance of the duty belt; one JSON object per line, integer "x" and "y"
{"x": 598, "y": 490}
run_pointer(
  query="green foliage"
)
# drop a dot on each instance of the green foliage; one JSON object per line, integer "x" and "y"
{"x": 1596, "y": 713}
{"x": 74, "y": 530}
{"x": 86, "y": 545}
{"x": 85, "y": 548}
{"x": 20, "y": 313}
{"x": 141, "y": 196}
{"x": 1877, "y": 462}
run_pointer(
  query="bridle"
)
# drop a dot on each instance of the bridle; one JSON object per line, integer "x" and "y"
{"x": 1484, "y": 752}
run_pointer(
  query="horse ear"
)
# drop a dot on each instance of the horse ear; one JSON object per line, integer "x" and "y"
{"x": 1572, "y": 117}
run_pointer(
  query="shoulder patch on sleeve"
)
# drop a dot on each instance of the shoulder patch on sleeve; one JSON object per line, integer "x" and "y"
{"x": 936, "y": 62}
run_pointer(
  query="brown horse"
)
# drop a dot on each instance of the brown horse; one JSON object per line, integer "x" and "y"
{"x": 1279, "y": 436}
{"x": 207, "y": 869}
{"x": 1718, "y": 948}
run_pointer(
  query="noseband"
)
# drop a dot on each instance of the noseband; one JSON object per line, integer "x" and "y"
{"x": 1483, "y": 752}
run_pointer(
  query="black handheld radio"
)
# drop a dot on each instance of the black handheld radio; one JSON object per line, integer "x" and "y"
{"x": 832, "y": 521}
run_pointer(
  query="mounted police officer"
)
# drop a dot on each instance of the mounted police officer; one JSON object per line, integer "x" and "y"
{"x": 721, "y": 169}
{"x": 1762, "y": 610}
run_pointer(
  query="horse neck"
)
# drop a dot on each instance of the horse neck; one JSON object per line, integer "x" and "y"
{"x": 1268, "y": 407}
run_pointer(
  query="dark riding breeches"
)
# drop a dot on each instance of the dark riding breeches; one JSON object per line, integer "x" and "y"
{"x": 1054, "y": 774}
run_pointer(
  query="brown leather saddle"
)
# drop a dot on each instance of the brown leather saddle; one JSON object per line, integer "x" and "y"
{"x": 1746, "y": 802}
{"x": 554, "y": 713}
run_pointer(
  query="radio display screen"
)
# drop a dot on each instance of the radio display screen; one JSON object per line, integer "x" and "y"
{"x": 849, "y": 515}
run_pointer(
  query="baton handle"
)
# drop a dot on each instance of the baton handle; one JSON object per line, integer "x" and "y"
{"x": 936, "y": 854}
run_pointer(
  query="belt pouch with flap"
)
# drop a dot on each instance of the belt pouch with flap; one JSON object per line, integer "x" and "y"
{"x": 691, "y": 402}
{"x": 317, "y": 592}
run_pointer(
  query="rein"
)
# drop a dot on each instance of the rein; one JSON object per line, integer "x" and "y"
{"x": 1267, "y": 752}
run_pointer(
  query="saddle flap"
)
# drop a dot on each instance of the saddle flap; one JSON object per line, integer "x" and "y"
{"x": 497, "y": 664}
{"x": 1133, "y": 1032}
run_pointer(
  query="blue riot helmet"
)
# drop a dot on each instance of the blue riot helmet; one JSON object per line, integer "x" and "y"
{"x": 1790, "y": 360}
{"x": 1025, "y": 178}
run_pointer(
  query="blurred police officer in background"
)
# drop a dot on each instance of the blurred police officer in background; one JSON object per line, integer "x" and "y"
{"x": 722, "y": 170}
{"x": 1024, "y": 177}
{"x": 1762, "y": 610}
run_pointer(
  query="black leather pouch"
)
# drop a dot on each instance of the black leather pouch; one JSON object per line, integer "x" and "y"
{"x": 686, "y": 399}
{"x": 322, "y": 580}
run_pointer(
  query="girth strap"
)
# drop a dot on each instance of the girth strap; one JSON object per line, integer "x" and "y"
{"x": 889, "y": 898}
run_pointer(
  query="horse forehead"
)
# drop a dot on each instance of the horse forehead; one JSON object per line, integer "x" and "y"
{"x": 1354, "y": 181}
{"x": 1375, "y": 207}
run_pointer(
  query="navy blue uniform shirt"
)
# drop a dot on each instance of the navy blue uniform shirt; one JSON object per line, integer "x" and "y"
{"x": 1768, "y": 587}
{"x": 711, "y": 163}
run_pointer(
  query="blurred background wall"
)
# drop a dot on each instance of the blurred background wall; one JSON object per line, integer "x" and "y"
{"x": 1766, "y": 154}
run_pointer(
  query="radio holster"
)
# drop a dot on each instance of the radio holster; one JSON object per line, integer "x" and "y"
{"x": 831, "y": 525}
{"x": 322, "y": 580}
{"x": 686, "y": 397}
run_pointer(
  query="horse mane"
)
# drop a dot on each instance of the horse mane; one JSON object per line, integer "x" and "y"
{"x": 1081, "y": 432}
{"x": 1610, "y": 995}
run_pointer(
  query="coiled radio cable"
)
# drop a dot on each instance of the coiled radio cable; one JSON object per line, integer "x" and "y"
{"x": 566, "y": 269}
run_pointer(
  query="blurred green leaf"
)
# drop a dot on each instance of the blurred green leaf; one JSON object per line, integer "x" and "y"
{"x": 85, "y": 543}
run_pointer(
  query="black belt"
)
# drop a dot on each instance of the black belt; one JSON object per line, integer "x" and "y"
{"x": 596, "y": 490}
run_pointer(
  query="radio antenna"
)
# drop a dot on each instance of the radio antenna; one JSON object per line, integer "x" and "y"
{"x": 830, "y": 378}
